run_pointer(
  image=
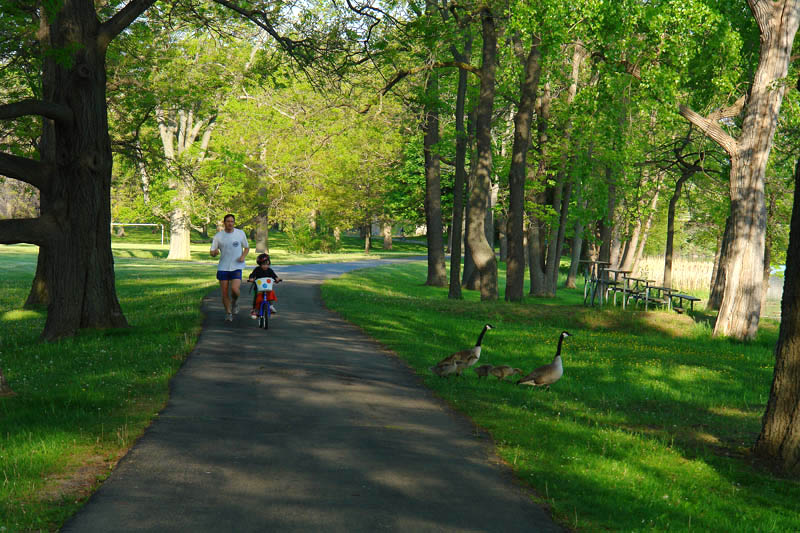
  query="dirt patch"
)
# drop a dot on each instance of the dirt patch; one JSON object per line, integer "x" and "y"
{"x": 77, "y": 482}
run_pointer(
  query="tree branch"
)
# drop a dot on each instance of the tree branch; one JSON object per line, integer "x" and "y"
{"x": 30, "y": 171}
{"x": 445, "y": 64}
{"x": 121, "y": 20}
{"x": 27, "y": 230}
{"x": 260, "y": 19}
{"x": 57, "y": 112}
{"x": 710, "y": 128}
{"x": 730, "y": 111}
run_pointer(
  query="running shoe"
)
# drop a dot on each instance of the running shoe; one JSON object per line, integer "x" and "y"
{"x": 236, "y": 309}
{"x": 229, "y": 317}
{"x": 272, "y": 309}
{"x": 253, "y": 314}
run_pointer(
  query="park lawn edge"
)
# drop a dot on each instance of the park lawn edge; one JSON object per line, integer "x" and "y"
{"x": 713, "y": 429}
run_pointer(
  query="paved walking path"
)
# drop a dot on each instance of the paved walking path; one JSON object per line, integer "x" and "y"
{"x": 309, "y": 426}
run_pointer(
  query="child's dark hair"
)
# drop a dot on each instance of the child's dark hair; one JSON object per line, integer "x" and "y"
{"x": 263, "y": 258}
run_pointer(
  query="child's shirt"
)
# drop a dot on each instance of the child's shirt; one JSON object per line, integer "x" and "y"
{"x": 259, "y": 272}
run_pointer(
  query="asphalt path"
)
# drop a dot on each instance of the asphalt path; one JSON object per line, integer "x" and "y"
{"x": 308, "y": 426}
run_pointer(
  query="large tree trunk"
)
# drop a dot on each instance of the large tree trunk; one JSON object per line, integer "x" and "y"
{"x": 482, "y": 252}
{"x": 84, "y": 271}
{"x": 671, "y": 227}
{"x": 515, "y": 269}
{"x": 437, "y": 274}
{"x": 456, "y": 234}
{"x": 740, "y": 309}
{"x": 73, "y": 173}
{"x": 779, "y": 440}
{"x": 718, "y": 275}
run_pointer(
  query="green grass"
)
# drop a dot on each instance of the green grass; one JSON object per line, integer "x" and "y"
{"x": 82, "y": 402}
{"x": 649, "y": 429}
{"x": 141, "y": 243}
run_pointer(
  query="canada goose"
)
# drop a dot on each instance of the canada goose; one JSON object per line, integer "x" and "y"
{"x": 483, "y": 370}
{"x": 444, "y": 368}
{"x": 548, "y": 374}
{"x": 463, "y": 359}
{"x": 504, "y": 371}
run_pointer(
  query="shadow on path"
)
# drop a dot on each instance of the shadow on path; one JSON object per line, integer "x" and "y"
{"x": 306, "y": 426}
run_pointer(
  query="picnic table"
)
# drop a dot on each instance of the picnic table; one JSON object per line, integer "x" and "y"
{"x": 594, "y": 275}
{"x": 637, "y": 291}
{"x": 657, "y": 295}
{"x": 681, "y": 297}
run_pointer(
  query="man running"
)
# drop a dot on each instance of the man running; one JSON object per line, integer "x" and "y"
{"x": 231, "y": 245}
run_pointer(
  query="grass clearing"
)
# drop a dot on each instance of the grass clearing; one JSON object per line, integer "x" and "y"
{"x": 649, "y": 428}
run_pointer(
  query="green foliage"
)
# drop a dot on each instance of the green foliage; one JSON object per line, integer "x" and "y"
{"x": 302, "y": 240}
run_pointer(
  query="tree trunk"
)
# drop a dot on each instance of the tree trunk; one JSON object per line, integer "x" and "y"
{"x": 387, "y": 235}
{"x": 437, "y": 274}
{"x": 607, "y": 222}
{"x": 779, "y": 440}
{"x": 177, "y": 137}
{"x": 482, "y": 252}
{"x": 79, "y": 266}
{"x": 38, "y": 293}
{"x": 502, "y": 237}
{"x": 536, "y": 254}
{"x": 645, "y": 231}
{"x": 671, "y": 227}
{"x": 718, "y": 276}
{"x": 577, "y": 243}
{"x": 262, "y": 233}
{"x": 454, "y": 291}
{"x": 367, "y": 237}
{"x": 740, "y": 308}
{"x": 515, "y": 268}
{"x": 180, "y": 228}
{"x": 767, "y": 273}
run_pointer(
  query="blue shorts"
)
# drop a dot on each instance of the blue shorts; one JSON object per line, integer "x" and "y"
{"x": 227, "y": 275}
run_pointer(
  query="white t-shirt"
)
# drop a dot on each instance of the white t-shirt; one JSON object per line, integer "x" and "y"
{"x": 230, "y": 246}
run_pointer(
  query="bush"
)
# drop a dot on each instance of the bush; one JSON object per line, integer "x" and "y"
{"x": 303, "y": 240}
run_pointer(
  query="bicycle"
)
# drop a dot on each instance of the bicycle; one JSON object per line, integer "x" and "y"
{"x": 263, "y": 300}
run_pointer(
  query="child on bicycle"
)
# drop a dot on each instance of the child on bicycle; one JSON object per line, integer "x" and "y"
{"x": 263, "y": 270}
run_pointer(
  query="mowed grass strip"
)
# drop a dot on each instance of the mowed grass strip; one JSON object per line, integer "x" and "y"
{"x": 143, "y": 244}
{"x": 649, "y": 429}
{"x": 82, "y": 402}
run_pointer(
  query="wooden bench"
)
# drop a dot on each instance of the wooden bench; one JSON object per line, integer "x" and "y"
{"x": 681, "y": 297}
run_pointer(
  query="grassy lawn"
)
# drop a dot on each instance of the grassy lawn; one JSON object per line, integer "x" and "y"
{"x": 649, "y": 429}
{"x": 82, "y": 402}
{"x": 141, "y": 243}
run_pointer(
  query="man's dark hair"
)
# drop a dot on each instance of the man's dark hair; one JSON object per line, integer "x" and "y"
{"x": 228, "y": 215}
